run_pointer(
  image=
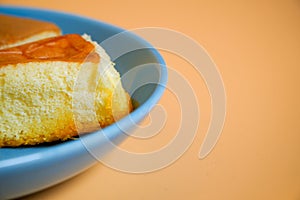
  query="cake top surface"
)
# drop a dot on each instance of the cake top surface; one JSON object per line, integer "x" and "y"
{"x": 14, "y": 29}
{"x": 69, "y": 47}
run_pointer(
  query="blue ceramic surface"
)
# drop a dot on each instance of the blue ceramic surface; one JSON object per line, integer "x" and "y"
{"x": 29, "y": 169}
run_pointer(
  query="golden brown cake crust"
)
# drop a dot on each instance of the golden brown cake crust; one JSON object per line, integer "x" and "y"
{"x": 14, "y": 29}
{"x": 70, "y": 48}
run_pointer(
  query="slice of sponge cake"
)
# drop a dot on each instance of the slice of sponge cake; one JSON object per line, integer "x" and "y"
{"x": 15, "y": 31}
{"x": 55, "y": 88}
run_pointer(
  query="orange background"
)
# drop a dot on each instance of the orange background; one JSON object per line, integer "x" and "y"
{"x": 256, "y": 46}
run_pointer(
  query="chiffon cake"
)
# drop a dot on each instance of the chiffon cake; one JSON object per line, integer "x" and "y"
{"x": 56, "y": 88}
{"x": 16, "y": 31}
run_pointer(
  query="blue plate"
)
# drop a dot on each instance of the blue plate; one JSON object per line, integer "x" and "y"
{"x": 30, "y": 169}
